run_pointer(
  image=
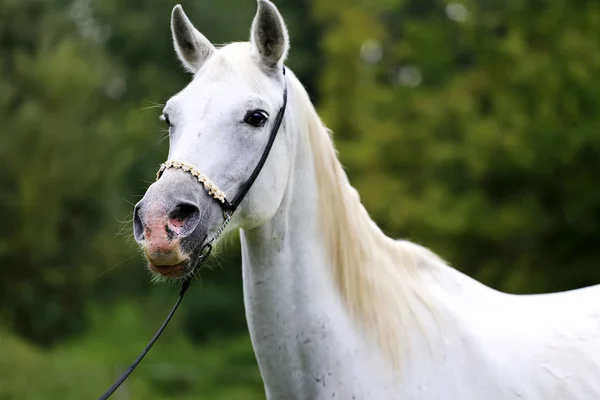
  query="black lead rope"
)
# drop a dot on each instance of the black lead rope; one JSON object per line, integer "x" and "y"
{"x": 119, "y": 382}
{"x": 228, "y": 209}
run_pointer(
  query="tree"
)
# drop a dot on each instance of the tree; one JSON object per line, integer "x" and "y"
{"x": 56, "y": 151}
{"x": 476, "y": 131}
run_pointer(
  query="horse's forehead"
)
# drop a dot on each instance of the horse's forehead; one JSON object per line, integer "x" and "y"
{"x": 208, "y": 92}
{"x": 229, "y": 81}
{"x": 202, "y": 92}
{"x": 215, "y": 86}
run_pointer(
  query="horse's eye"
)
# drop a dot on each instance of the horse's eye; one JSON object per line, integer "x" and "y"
{"x": 256, "y": 118}
{"x": 165, "y": 117}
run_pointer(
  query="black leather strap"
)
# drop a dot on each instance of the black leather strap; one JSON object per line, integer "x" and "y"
{"x": 233, "y": 205}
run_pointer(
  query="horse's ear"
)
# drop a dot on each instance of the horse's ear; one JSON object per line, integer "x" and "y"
{"x": 269, "y": 36}
{"x": 191, "y": 46}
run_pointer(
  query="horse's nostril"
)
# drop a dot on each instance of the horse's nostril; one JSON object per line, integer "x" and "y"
{"x": 138, "y": 226}
{"x": 184, "y": 216}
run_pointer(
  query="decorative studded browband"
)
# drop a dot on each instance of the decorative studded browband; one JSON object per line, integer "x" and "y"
{"x": 213, "y": 189}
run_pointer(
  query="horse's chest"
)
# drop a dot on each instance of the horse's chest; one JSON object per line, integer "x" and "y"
{"x": 299, "y": 358}
{"x": 308, "y": 358}
{"x": 306, "y": 345}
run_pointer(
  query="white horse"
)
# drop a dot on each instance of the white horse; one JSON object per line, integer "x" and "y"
{"x": 336, "y": 309}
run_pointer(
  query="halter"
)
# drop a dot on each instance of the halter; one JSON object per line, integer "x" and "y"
{"x": 228, "y": 210}
{"x": 211, "y": 188}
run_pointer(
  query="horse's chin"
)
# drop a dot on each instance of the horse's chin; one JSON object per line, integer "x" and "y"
{"x": 172, "y": 271}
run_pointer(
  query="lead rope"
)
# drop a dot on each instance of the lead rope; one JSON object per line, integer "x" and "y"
{"x": 204, "y": 253}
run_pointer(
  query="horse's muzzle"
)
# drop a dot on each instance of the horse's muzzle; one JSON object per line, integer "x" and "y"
{"x": 166, "y": 225}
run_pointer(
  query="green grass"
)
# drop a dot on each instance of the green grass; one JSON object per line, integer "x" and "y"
{"x": 174, "y": 369}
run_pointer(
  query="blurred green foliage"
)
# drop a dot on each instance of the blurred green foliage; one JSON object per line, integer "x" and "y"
{"x": 476, "y": 132}
{"x": 471, "y": 127}
{"x": 82, "y": 368}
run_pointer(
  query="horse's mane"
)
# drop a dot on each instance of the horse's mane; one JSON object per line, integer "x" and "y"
{"x": 377, "y": 277}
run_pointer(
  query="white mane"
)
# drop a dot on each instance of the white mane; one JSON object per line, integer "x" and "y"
{"x": 377, "y": 277}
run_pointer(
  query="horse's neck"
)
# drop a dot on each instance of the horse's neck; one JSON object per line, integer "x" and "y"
{"x": 297, "y": 323}
{"x": 302, "y": 333}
